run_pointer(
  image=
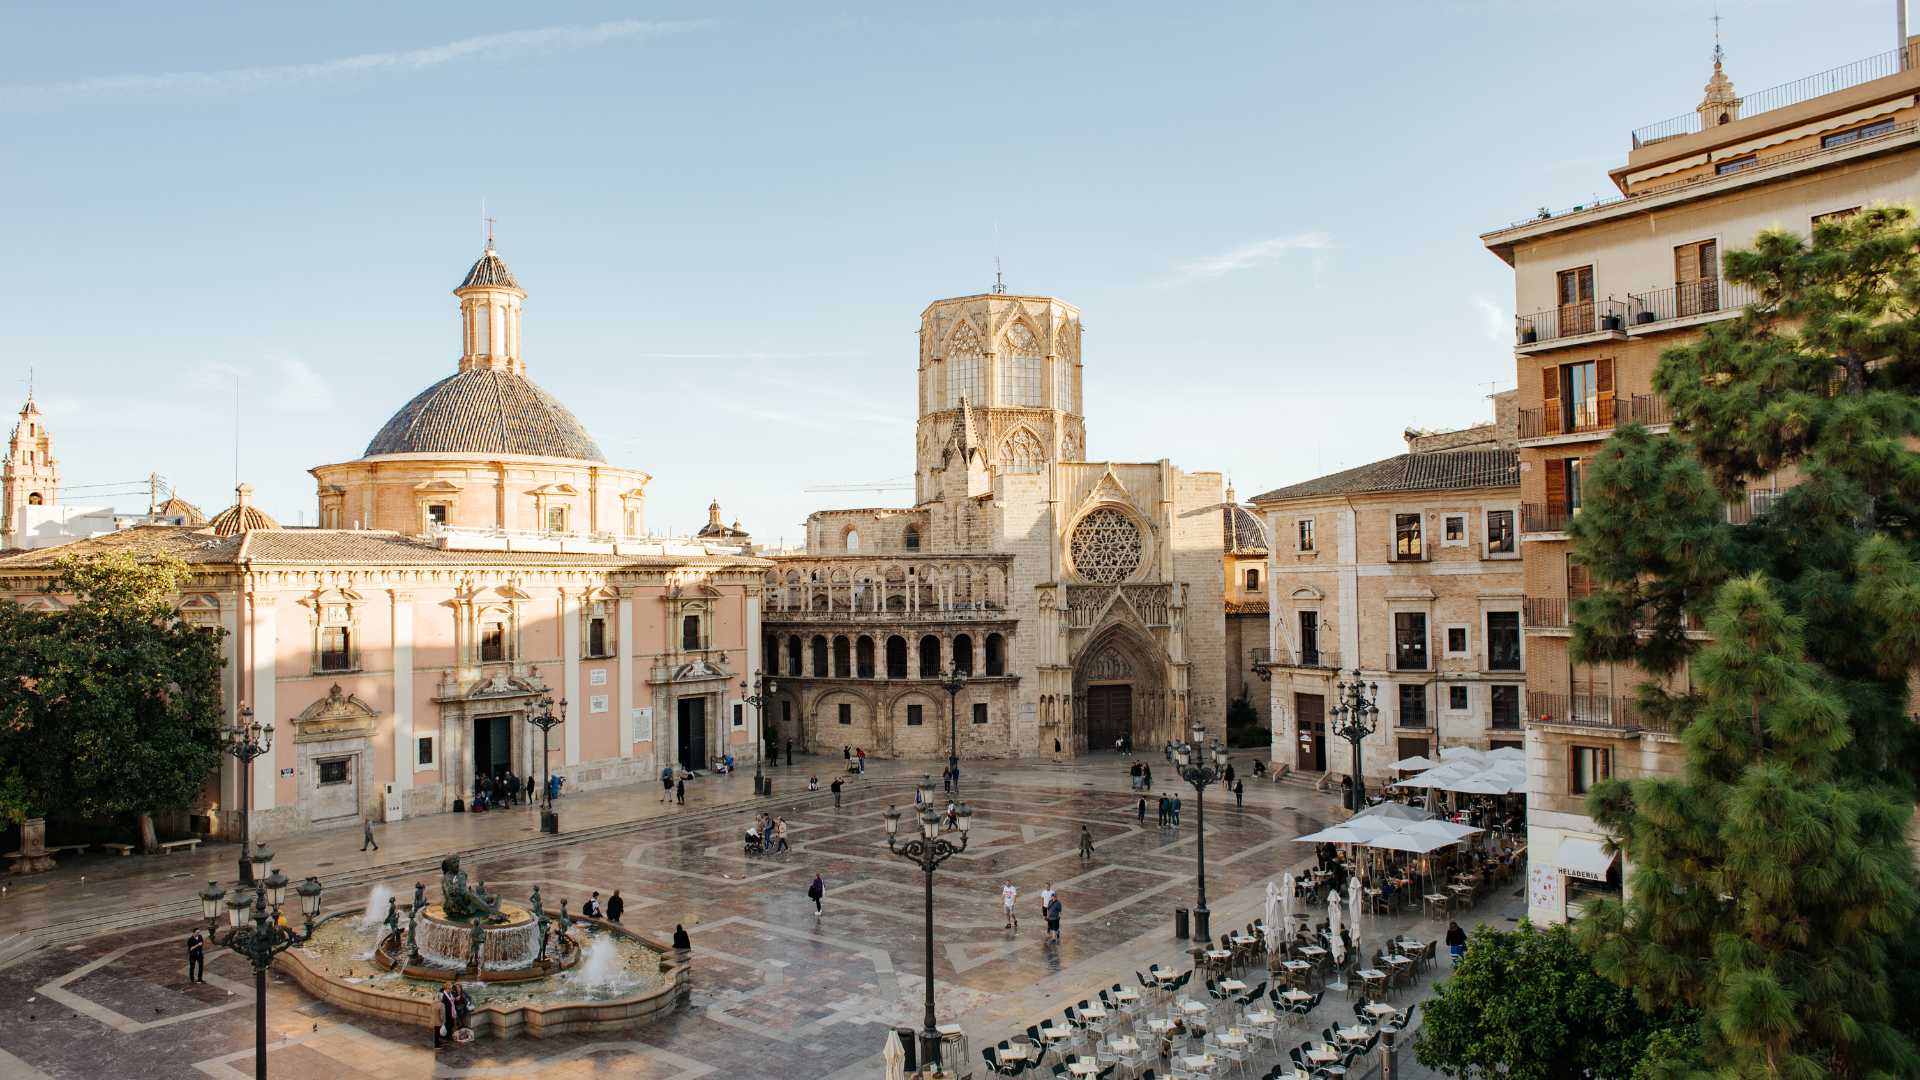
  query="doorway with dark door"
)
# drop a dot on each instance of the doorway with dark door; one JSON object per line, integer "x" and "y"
{"x": 693, "y": 733}
{"x": 1109, "y": 715}
{"x": 492, "y": 745}
{"x": 1311, "y": 712}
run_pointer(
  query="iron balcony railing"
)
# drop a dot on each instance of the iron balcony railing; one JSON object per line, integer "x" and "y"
{"x": 1792, "y": 93}
{"x": 1584, "y": 708}
{"x": 1648, "y": 409}
{"x": 1539, "y": 517}
{"x": 1306, "y": 658}
{"x": 1570, "y": 320}
{"x": 1756, "y": 503}
{"x": 1686, "y": 300}
{"x": 1587, "y": 416}
{"x": 923, "y": 615}
{"x": 1545, "y": 612}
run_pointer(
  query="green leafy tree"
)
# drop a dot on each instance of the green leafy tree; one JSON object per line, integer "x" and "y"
{"x": 1527, "y": 1004}
{"x": 1772, "y": 891}
{"x": 1243, "y": 722}
{"x": 112, "y": 705}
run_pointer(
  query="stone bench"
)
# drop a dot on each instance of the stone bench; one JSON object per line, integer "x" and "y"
{"x": 56, "y": 849}
{"x": 170, "y": 846}
{"x": 117, "y": 849}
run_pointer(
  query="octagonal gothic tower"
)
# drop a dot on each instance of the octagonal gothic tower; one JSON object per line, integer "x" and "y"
{"x": 999, "y": 390}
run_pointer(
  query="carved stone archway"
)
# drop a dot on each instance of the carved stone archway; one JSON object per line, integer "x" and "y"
{"x": 1120, "y": 687}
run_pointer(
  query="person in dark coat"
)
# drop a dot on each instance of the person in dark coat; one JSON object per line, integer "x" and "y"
{"x": 816, "y": 891}
{"x": 448, "y": 1019}
{"x": 680, "y": 792}
{"x": 1053, "y": 918}
{"x": 1239, "y": 794}
{"x": 462, "y": 1007}
{"x": 1143, "y": 809}
{"x": 529, "y": 787}
{"x": 196, "y": 957}
{"x": 836, "y": 792}
{"x": 681, "y": 941}
{"x": 615, "y": 906}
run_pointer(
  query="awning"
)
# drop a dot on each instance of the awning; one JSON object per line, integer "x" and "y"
{"x": 1584, "y": 859}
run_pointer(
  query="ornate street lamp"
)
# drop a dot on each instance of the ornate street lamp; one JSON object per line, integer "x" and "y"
{"x": 764, "y": 688}
{"x": 261, "y": 941}
{"x": 246, "y": 740}
{"x": 928, "y": 850}
{"x": 1201, "y": 767}
{"x": 543, "y": 717}
{"x": 953, "y": 681}
{"x": 1353, "y": 718}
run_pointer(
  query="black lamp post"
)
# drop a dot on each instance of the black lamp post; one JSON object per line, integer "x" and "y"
{"x": 544, "y": 718}
{"x": 1201, "y": 767}
{"x": 928, "y": 850}
{"x": 764, "y": 688}
{"x": 263, "y": 940}
{"x": 246, "y": 740}
{"x": 953, "y": 682}
{"x": 1354, "y": 718}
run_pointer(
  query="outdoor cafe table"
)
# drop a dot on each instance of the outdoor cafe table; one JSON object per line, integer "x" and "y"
{"x": 1296, "y": 996}
{"x": 1199, "y": 1063}
{"x": 1219, "y": 954}
{"x": 1124, "y": 1045}
{"x": 1012, "y": 1052}
{"x": 1232, "y": 986}
{"x": 1244, "y": 939}
{"x": 1353, "y": 1033}
{"x": 1094, "y": 1012}
{"x": 1380, "y": 1011}
{"x": 1321, "y": 1055}
{"x": 1057, "y": 1034}
{"x": 1259, "y": 1017}
{"x": 1231, "y": 1041}
{"x": 1126, "y": 997}
{"x": 1159, "y": 1025}
{"x": 1297, "y": 968}
{"x": 1314, "y": 952}
{"x": 1192, "y": 1007}
{"x": 1372, "y": 976}
{"x": 1082, "y": 1067}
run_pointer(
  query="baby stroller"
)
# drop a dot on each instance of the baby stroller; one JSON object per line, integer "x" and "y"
{"x": 753, "y": 843}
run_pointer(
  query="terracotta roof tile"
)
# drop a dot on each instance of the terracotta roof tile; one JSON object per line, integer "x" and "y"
{"x": 485, "y": 412}
{"x": 1442, "y": 470}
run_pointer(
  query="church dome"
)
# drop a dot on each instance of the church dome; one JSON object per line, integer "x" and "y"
{"x": 242, "y": 516}
{"x": 485, "y": 412}
{"x": 489, "y": 272}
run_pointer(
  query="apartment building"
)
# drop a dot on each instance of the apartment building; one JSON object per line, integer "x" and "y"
{"x": 1601, "y": 290}
{"x": 1408, "y": 570}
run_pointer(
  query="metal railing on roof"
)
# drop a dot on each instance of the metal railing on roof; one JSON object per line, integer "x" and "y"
{"x": 1790, "y": 93}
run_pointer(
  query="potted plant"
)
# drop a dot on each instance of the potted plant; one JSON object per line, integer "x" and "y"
{"x": 1643, "y": 317}
{"x": 1528, "y": 335}
{"x": 1612, "y": 320}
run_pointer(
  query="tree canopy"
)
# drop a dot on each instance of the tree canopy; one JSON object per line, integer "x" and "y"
{"x": 1771, "y": 887}
{"x": 110, "y": 705}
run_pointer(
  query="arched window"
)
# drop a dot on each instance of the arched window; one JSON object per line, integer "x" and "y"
{"x": 929, "y": 657}
{"x": 911, "y": 539}
{"x": 964, "y": 377}
{"x": 996, "y": 655}
{"x": 842, "y": 658}
{"x": 1020, "y": 363}
{"x": 963, "y": 654}
{"x": 793, "y": 655}
{"x": 819, "y": 650}
{"x": 853, "y": 540}
{"x": 896, "y": 657}
{"x": 1021, "y": 452}
{"x": 863, "y": 657}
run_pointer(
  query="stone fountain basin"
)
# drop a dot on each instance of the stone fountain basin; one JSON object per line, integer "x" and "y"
{"x": 504, "y": 1019}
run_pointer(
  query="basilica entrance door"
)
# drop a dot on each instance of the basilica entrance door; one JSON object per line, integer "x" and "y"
{"x": 492, "y": 743}
{"x": 1311, "y": 712}
{"x": 693, "y": 732}
{"x": 1109, "y": 715}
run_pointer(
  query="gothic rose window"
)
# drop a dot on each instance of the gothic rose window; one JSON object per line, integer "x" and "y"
{"x": 1105, "y": 547}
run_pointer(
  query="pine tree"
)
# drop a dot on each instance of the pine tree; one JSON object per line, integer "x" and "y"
{"x": 1771, "y": 887}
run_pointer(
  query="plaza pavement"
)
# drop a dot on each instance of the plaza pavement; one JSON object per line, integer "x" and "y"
{"x": 774, "y": 993}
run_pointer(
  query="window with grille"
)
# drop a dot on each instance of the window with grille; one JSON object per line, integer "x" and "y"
{"x": 1020, "y": 380}
{"x": 964, "y": 377}
{"x": 1063, "y": 383}
{"x": 597, "y": 636}
{"x": 1413, "y": 706}
{"x": 1410, "y": 640}
{"x": 334, "y": 772}
{"x": 1696, "y": 277}
{"x": 1455, "y": 528}
{"x": 557, "y": 519}
{"x": 1842, "y": 138}
{"x": 1253, "y": 579}
{"x": 336, "y": 648}
{"x": 1310, "y": 638}
{"x": 1503, "y": 641}
{"x": 690, "y": 632}
{"x": 493, "y": 642}
{"x": 845, "y": 713}
{"x": 1506, "y": 706}
{"x": 423, "y": 754}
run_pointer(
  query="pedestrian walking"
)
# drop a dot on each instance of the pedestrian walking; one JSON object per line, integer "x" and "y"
{"x": 860, "y": 759}
{"x": 816, "y": 892}
{"x": 789, "y": 753}
{"x": 1229, "y": 775}
{"x": 196, "y": 957}
{"x": 1239, "y": 794}
{"x": 1176, "y": 811}
{"x": 680, "y": 792}
{"x": 836, "y": 792}
{"x": 1046, "y": 898}
{"x": 366, "y": 834}
{"x": 1086, "y": 843}
{"x": 615, "y": 906}
{"x": 1008, "y": 894}
{"x": 1166, "y": 809}
{"x": 666, "y": 784}
{"x": 1146, "y": 777}
{"x": 446, "y": 1023}
{"x": 1053, "y": 920}
{"x": 592, "y": 908}
{"x": 1143, "y": 809}
{"x": 529, "y": 789}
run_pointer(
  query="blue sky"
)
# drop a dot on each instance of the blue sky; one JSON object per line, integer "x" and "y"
{"x": 729, "y": 217}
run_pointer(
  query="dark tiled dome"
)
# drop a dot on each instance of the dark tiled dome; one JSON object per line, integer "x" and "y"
{"x": 490, "y": 270}
{"x": 242, "y": 516}
{"x": 485, "y": 412}
{"x": 1241, "y": 530}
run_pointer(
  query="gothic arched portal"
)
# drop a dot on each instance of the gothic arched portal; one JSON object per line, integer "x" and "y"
{"x": 1119, "y": 689}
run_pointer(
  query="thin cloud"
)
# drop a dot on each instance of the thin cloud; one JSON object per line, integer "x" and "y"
{"x": 298, "y": 388}
{"x": 482, "y": 46}
{"x": 1494, "y": 320}
{"x": 1246, "y": 257}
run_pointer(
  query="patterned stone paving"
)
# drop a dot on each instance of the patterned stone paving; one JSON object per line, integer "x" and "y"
{"x": 775, "y": 992}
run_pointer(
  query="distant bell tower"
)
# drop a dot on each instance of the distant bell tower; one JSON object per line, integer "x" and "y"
{"x": 31, "y": 476}
{"x": 999, "y": 388}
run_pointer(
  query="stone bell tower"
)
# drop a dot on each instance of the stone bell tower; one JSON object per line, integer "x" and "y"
{"x": 31, "y": 476}
{"x": 999, "y": 389}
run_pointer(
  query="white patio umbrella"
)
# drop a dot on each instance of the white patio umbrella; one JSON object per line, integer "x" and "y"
{"x": 1271, "y": 913}
{"x": 1355, "y": 830}
{"x": 1419, "y": 845}
{"x": 1392, "y": 811}
{"x": 1286, "y": 906}
{"x": 1435, "y": 828}
{"x": 1334, "y": 944}
{"x": 1357, "y": 910}
{"x": 1414, "y": 763}
{"x": 1507, "y": 753}
{"x": 895, "y": 1056}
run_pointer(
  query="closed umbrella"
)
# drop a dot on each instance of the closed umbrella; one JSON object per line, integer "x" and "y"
{"x": 1357, "y": 910}
{"x": 1271, "y": 914}
{"x": 1286, "y": 905}
{"x": 1334, "y": 943}
{"x": 895, "y": 1056}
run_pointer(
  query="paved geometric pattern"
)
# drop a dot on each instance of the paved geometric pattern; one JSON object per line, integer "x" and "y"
{"x": 775, "y": 993}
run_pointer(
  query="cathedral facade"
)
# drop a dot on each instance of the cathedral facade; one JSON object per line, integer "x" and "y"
{"x": 1030, "y": 602}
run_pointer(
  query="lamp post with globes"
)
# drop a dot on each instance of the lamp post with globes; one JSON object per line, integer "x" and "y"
{"x": 546, "y": 719}
{"x": 953, "y": 681}
{"x": 246, "y": 740}
{"x": 1353, "y": 718}
{"x": 928, "y": 851}
{"x": 764, "y": 688}
{"x": 1201, "y": 766}
{"x": 266, "y": 937}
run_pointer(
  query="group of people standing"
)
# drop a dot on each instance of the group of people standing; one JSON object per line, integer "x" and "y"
{"x": 1140, "y": 775}
{"x": 501, "y": 789}
{"x": 1049, "y": 901}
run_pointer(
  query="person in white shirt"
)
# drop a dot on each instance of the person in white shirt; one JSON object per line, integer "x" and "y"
{"x": 1046, "y": 898}
{"x": 1007, "y": 895}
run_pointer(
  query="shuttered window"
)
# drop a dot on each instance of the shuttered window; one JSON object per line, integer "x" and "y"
{"x": 1575, "y": 289}
{"x": 1696, "y": 277}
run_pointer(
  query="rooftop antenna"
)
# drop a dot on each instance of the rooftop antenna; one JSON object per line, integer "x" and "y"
{"x": 236, "y": 429}
{"x": 29, "y": 382}
{"x": 1900, "y": 17}
{"x": 1718, "y": 53}
{"x": 999, "y": 286}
